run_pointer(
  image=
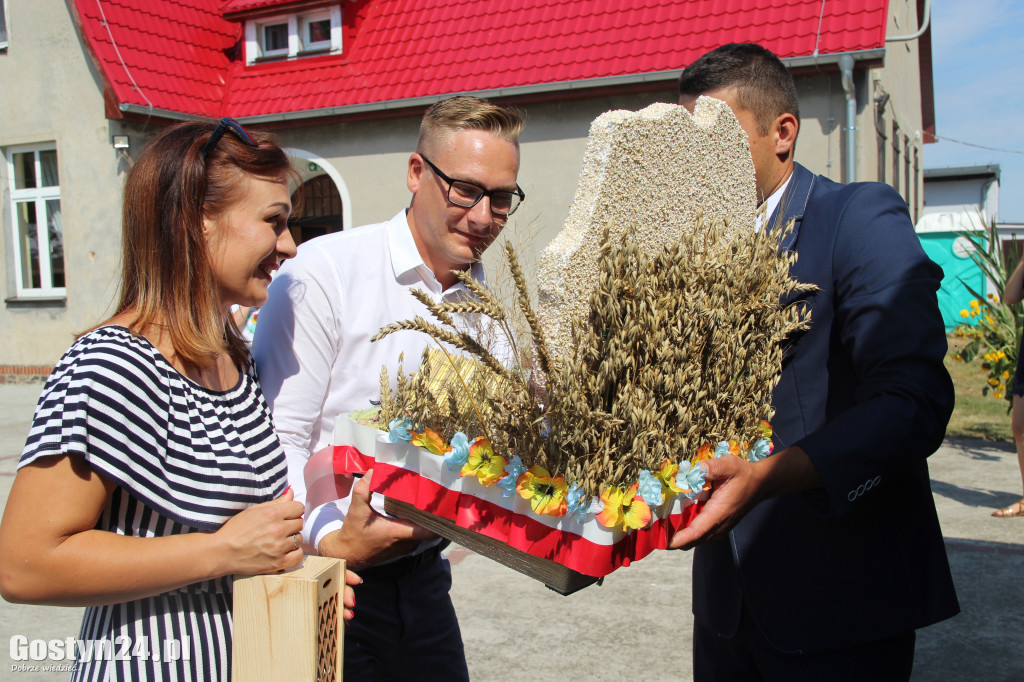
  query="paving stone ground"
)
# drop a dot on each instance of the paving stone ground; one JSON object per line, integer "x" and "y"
{"x": 638, "y": 623}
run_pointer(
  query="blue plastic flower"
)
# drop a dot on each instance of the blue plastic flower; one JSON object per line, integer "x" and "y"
{"x": 455, "y": 458}
{"x": 400, "y": 430}
{"x": 761, "y": 449}
{"x": 722, "y": 449}
{"x": 650, "y": 489}
{"x": 690, "y": 478}
{"x": 514, "y": 469}
{"x": 582, "y": 510}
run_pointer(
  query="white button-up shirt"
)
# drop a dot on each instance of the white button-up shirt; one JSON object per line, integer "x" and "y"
{"x": 312, "y": 343}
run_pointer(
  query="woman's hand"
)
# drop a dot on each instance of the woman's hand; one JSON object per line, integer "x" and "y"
{"x": 262, "y": 539}
{"x": 349, "y": 598}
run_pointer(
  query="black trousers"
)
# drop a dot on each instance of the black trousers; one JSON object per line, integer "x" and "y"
{"x": 405, "y": 626}
{"x": 748, "y": 656}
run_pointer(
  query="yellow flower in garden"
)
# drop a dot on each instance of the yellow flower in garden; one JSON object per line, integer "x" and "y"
{"x": 545, "y": 493}
{"x": 988, "y": 318}
{"x": 997, "y": 394}
{"x": 964, "y": 313}
{"x": 625, "y": 508}
{"x": 1005, "y": 374}
{"x": 483, "y": 463}
{"x": 431, "y": 441}
{"x": 667, "y": 475}
{"x": 1000, "y": 355}
{"x": 975, "y": 303}
{"x": 992, "y": 381}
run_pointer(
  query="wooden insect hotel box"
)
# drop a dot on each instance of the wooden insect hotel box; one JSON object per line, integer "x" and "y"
{"x": 290, "y": 626}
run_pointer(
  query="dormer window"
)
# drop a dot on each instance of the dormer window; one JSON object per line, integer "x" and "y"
{"x": 288, "y": 36}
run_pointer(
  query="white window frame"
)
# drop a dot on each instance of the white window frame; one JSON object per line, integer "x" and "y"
{"x": 3, "y": 22}
{"x": 297, "y": 23}
{"x": 38, "y": 195}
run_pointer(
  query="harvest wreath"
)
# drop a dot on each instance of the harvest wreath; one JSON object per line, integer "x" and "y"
{"x": 578, "y": 441}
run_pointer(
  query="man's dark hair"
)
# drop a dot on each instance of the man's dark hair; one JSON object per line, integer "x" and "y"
{"x": 763, "y": 84}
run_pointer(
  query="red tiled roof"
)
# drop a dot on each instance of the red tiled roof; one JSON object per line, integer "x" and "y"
{"x": 177, "y": 54}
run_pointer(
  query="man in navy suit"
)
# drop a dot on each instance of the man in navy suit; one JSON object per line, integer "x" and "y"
{"x": 819, "y": 562}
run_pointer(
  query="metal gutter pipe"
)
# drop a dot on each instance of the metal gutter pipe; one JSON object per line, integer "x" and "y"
{"x": 846, "y": 69}
{"x": 920, "y": 31}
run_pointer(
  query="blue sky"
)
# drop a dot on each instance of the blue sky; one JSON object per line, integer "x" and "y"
{"x": 978, "y": 62}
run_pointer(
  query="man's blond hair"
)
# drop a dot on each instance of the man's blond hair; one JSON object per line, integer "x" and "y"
{"x": 464, "y": 112}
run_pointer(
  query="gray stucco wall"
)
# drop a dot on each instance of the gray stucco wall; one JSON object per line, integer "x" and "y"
{"x": 60, "y": 100}
{"x": 53, "y": 95}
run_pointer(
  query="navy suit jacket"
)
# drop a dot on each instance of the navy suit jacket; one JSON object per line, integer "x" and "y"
{"x": 865, "y": 394}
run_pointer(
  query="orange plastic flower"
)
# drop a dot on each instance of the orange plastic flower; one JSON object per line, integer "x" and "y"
{"x": 705, "y": 451}
{"x": 431, "y": 441}
{"x": 623, "y": 507}
{"x": 545, "y": 493}
{"x": 483, "y": 463}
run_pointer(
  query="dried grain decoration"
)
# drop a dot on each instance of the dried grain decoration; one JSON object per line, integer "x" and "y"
{"x": 652, "y": 343}
{"x": 656, "y": 171}
{"x": 680, "y": 350}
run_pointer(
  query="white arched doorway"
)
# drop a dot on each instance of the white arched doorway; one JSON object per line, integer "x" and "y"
{"x": 327, "y": 205}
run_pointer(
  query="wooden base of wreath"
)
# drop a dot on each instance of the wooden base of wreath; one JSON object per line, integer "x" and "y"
{"x": 557, "y": 577}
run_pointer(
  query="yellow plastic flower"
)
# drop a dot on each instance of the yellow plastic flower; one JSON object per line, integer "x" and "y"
{"x": 667, "y": 475}
{"x": 431, "y": 441}
{"x": 483, "y": 463}
{"x": 765, "y": 428}
{"x": 625, "y": 508}
{"x": 545, "y": 493}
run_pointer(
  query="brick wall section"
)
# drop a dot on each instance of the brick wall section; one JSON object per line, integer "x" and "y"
{"x": 24, "y": 374}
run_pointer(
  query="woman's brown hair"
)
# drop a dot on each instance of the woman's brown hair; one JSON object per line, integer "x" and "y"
{"x": 166, "y": 276}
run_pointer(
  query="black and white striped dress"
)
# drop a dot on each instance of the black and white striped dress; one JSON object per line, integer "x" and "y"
{"x": 185, "y": 459}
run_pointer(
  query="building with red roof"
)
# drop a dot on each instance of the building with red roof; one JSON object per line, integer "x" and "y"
{"x": 343, "y": 83}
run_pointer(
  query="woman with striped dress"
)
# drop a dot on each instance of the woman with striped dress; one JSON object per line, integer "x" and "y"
{"x": 152, "y": 472}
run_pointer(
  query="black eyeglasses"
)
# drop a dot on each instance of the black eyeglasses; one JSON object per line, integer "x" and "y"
{"x": 467, "y": 194}
{"x": 227, "y": 123}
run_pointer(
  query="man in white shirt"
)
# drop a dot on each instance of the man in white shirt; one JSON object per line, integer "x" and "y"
{"x": 315, "y": 360}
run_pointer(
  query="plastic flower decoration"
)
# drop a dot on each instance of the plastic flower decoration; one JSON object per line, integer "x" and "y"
{"x": 690, "y": 478}
{"x": 649, "y": 488}
{"x": 483, "y": 463}
{"x": 667, "y": 475}
{"x": 513, "y": 470}
{"x": 723, "y": 449}
{"x": 400, "y": 430}
{"x": 581, "y": 508}
{"x": 459, "y": 453}
{"x": 545, "y": 493}
{"x": 430, "y": 440}
{"x": 762, "y": 448}
{"x": 625, "y": 508}
{"x": 704, "y": 452}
